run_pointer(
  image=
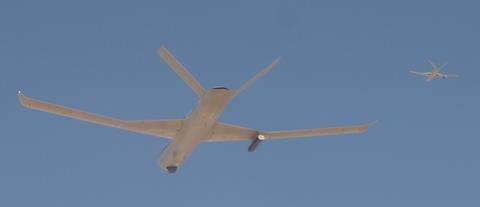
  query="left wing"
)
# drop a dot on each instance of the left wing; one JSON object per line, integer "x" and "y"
{"x": 228, "y": 132}
{"x": 420, "y": 73}
{"x": 159, "y": 128}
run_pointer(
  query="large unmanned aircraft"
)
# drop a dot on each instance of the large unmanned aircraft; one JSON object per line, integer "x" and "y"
{"x": 201, "y": 125}
{"x": 435, "y": 73}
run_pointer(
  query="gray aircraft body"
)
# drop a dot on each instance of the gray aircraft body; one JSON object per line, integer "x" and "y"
{"x": 201, "y": 125}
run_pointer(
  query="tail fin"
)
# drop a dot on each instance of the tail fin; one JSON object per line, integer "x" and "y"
{"x": 435, "y": 66}
{"x": 441, "y": 67}
{"x": 181, "y": 71}
{"x": 432, "y": 64}
{"x": 257, "y": 76}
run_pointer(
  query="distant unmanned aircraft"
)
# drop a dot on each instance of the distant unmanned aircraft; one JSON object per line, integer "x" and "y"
{"x": 201, "y": 125}
{"x": 435, "y": 73}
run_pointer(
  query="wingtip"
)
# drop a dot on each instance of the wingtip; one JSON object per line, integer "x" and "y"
{"x": 162, "y": 48}
{"x": 368, "y": 126}
{"x": 22, "y": 98}
{"x": 276, "y": 61}
{"x": 20, "y": 94}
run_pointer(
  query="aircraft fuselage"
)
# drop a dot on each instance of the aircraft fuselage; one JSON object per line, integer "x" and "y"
{"x": 196, "y": 127}
{"x": 435, "y": 73}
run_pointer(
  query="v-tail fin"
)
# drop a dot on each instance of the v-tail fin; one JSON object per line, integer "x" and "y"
{"x": 181, "y": 71}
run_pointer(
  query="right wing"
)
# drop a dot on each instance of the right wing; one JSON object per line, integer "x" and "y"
{"x": 316, "y": 132}
{"x": 159, "y": 128}
{"x": 228, "y": 132}
{"x": 450, "y": 76}
{"x": 420, "y": 73}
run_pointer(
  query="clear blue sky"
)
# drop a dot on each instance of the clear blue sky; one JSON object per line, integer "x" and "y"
{"x": 343, "y": 62}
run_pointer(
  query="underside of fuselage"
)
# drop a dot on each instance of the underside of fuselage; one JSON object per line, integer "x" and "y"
{"x": 196, "y": 127}
{"x": 201, "y": 125}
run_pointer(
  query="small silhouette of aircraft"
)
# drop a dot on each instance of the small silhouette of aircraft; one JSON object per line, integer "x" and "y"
{"x": 201, "y": 125}
{"x": 435, "y": 73}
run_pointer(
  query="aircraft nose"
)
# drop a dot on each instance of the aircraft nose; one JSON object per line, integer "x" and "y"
{"x": 172, "y": 169}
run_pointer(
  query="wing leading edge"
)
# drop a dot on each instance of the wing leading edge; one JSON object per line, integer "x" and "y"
{"x": 228, "y": 132}
{"x": 159, "y": 128}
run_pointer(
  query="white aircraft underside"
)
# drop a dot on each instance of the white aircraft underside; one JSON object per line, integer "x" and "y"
{"x": 201, "y": 125}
